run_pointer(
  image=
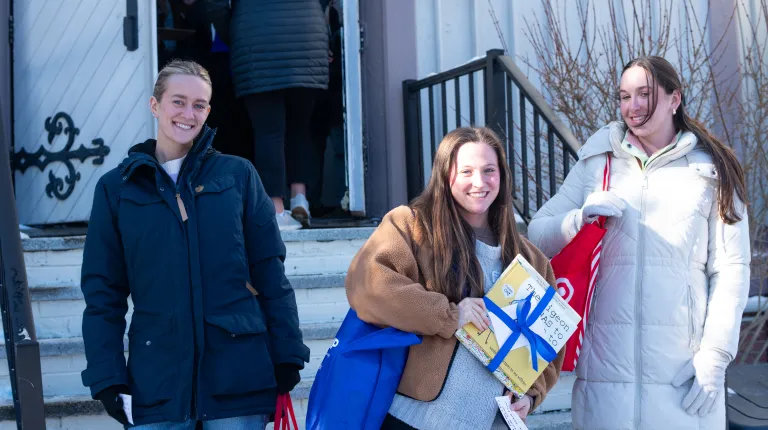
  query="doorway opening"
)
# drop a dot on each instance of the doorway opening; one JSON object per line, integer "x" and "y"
{"x": 184, "y": 32}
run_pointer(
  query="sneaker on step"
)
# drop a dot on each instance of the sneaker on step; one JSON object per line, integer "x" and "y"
{"x": 300, "y": 208}
{"x": 285, "y": 221}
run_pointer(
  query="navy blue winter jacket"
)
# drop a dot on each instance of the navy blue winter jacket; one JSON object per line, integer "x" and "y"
{"x": 202, "y": 261}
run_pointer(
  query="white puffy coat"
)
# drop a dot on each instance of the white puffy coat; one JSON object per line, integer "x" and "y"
{"x": 673, "y": 279}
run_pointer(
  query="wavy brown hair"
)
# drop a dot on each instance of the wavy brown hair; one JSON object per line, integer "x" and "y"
{"x": 457, "y": 272}
{"x": 730, "y": 175}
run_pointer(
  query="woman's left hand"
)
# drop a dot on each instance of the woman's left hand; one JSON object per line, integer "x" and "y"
{"x": 522, "y": 406}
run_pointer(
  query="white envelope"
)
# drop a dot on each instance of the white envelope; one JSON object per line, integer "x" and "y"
{"x": 512, "y": 419}
{"x": 127, "y": 407}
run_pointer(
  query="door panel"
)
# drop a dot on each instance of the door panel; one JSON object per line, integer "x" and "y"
{"x": 72, "y": 69}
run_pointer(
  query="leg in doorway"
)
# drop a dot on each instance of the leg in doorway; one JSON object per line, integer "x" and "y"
{"x": 267, "y": 114}
{"x": 320, "y": 129}
{"x": 300, "y": 158}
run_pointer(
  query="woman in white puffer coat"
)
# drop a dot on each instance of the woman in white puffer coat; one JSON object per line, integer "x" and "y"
{"x": 674, "y": 269}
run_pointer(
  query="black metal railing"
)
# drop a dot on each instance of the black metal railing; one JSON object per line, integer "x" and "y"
{"x": 22, "y": 351}
{"x": 504, "y": 88}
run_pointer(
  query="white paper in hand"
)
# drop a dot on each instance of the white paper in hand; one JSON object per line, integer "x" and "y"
{"x": 511, "y": 417}
{"x": 127, "y": 407}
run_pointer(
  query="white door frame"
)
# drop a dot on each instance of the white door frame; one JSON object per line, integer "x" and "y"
{"x": 353, "y": 106}
{"x": 153, "y": 60}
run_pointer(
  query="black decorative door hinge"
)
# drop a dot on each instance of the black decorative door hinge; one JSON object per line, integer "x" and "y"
{"x": 362, "y": 38}
{"x": 131, "y": 25}
{"x": 41, "y": 158}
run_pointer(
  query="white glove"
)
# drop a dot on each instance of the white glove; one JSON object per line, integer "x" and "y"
{"x": 600, "y": 203}
{"x": 708, "y": 370}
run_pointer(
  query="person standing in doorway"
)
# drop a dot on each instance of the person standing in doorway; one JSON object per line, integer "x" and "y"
{"x": 674, "y": 266}
{"x": 190, "y": 235}
{"x": 280, "y": 53}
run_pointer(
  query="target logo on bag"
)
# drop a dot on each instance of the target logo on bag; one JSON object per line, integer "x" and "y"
{"x": 564, "y": 288}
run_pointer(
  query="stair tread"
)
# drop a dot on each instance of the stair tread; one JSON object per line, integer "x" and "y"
{"x": 62, "y": 406}
{"x": 63, "y": 243}
{"x": 74, "y": 345}
{"x": 66, "y": 291}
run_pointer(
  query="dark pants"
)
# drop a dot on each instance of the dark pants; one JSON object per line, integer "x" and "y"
{"x": 392, "y": 423}
{"x": 283, "y": 152}
{"x": 328, "y": 113}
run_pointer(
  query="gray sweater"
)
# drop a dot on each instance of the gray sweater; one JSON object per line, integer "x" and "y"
{"x": 467, "y": 400}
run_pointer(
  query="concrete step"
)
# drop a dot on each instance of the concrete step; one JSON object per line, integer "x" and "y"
{"x": 316, "y": 265}
{"x": 58, "y": 311}
{"x": 62, "y": 360}
{"x": 55, "y": 262}
{"x": 83, "y": 413}
{"x": 73, "y": 292}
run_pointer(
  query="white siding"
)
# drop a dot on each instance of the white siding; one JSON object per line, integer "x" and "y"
{"x": 452, "y": 32}
{"x": 753, "y": 36}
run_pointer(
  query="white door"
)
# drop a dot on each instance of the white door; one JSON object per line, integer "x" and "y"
{"x": 83, "y": 72}
{"x": 353, "y": 107}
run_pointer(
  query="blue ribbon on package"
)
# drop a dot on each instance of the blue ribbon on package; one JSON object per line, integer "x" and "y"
{"x": 522, "y": 326}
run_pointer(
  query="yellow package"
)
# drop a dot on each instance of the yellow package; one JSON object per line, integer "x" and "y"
{"x": 518, "y": 292}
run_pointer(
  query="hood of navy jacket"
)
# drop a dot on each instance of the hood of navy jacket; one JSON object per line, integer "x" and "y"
{"x": 143, "y": 154}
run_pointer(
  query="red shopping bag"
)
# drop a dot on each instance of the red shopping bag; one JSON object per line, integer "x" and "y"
{"x": 576, "y": 269}
{"x": 283, "y": 411}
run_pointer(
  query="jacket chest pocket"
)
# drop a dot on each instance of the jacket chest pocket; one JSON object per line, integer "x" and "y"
{"x": 217, "y": 192}
{"x": 145, "y": 222}
{"x": 219, "y": 205}
{"x": 152, "y": 359}
{"x": 237, "y": 358}
{"x": 695, "y": 194}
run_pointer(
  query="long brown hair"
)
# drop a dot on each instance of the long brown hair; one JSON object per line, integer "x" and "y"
{"x": 457, "y": 272}
{"x": 730, "y": 175}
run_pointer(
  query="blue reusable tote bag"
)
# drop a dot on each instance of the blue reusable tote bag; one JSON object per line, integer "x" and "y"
{"x": 358, "y": 377}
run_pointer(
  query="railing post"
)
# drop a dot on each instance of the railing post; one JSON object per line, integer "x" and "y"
{"x": 21, "y": 348}
{"x": 495, "y": 102}
{"x": 413, "y": 150}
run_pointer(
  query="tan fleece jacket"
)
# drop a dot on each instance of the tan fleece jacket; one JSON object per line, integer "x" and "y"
{"x": 388, "y": 284}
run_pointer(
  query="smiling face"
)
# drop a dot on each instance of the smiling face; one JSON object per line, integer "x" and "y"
{"x": 636, "y": 103}
{"x": 475, "y": 181}
{"x": 182, "y": 109}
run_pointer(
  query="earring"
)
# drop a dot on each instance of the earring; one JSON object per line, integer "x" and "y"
{"x": 674, "y": 111}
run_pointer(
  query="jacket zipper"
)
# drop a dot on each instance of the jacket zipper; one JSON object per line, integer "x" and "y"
{"x": 638, "y": 302}
{"x": 593, "y": 304}
{"x": 691, "y": 322}
{"x": 195, "y": 412}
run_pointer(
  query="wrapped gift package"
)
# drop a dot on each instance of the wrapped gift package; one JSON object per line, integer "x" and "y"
{"x": 530, "y": 324}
